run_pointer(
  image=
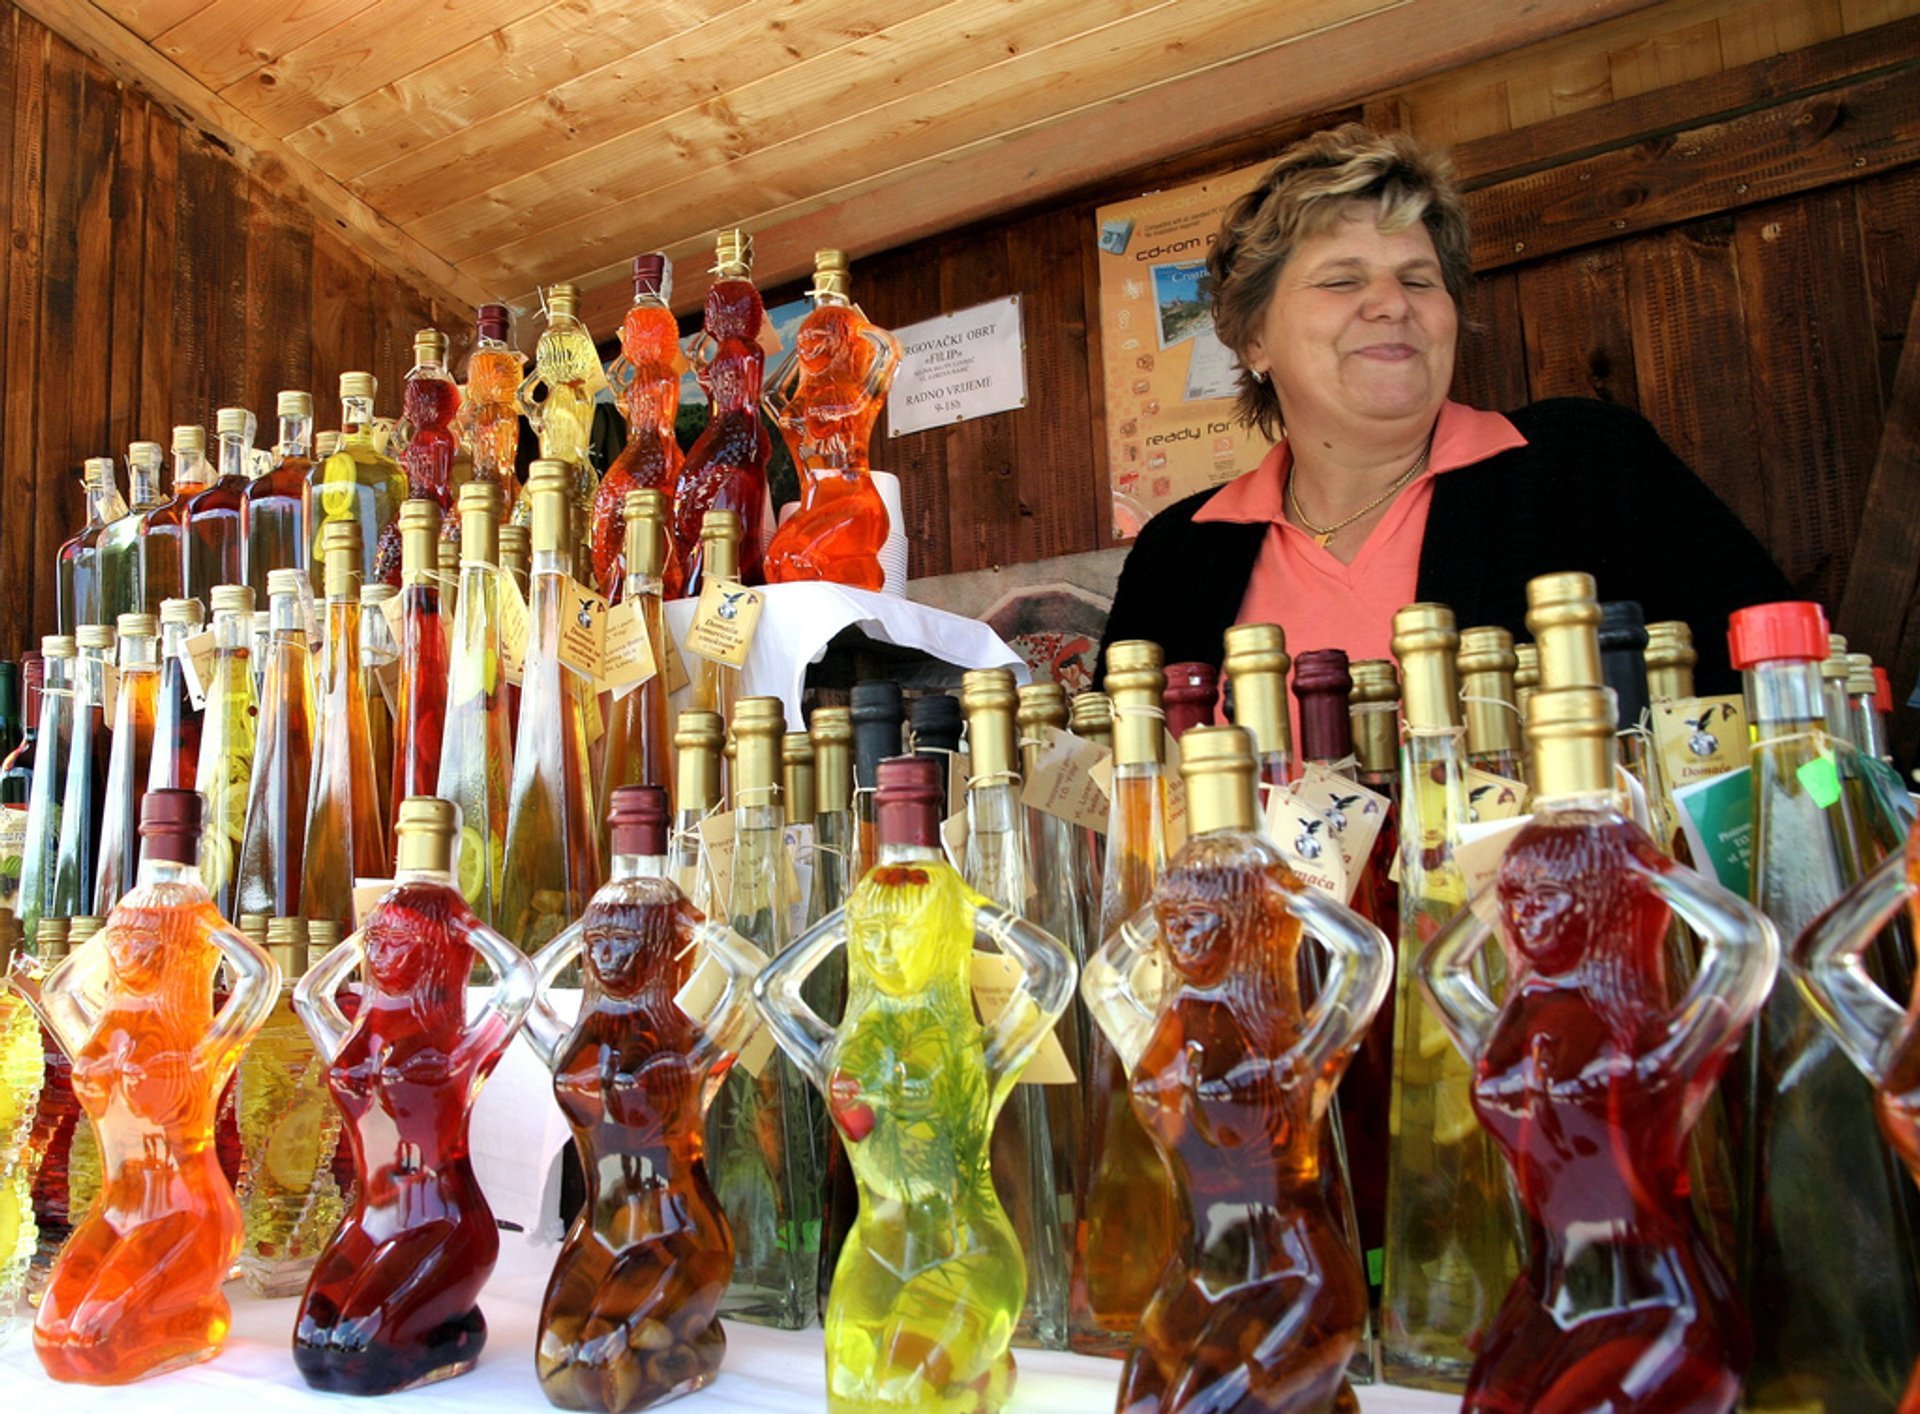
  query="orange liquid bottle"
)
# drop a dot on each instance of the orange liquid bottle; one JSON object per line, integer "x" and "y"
{"x": 490, "y": 413}
{"x": 646, "y": 379}
{"x": 136, "y": 1290}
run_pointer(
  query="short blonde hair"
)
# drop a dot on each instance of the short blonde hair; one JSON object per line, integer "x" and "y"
{"x": 1304, "y": 194}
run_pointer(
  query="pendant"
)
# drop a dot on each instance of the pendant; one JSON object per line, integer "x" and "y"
{"x": 1322, "y": 538}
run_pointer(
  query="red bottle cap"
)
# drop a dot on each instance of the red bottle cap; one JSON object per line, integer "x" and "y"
{"x": 907, "y": 799}
{"x": 494, "y": 321}
{"x": 1882, "y": 690}
{"x": 1323, "y": 683}
{"x": 170, "y": 825}
{"x": 637, "y": 818}
{"x": 1767, "y": 633}
{"x": 1190, "y": 693}
{"x": 649, "y": 273}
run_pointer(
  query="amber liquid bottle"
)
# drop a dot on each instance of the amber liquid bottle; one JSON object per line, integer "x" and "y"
{"x": 1486, "y": 663}
{"x": 224, "y": 772}
{"x": 175, "y": 763}
{"x": 646, "y": 379}
{"x": 215, "y": 534}
{"x": 476, "y": 752}
{"x": 274, "y": 515}
{"x": 420, "y": 720}
{"x": 163, "y": 530}
{"x": 129, "y": 759}
{"x": 380, "y": 680}
{"x": 343, "y": 838}
{"x": 1125, "y": 1228}
{"x": 429, "y": 404}
{"x": 639, "y": 750}
{"x": 490, "y": 412}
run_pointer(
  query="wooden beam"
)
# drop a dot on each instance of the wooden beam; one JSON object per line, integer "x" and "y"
{"x": 265, "y": 157}
{"x": 1881, "y": 582}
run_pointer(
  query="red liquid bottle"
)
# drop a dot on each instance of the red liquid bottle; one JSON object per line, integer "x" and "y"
{"x": 391, "y": 1303}
{"x": 727, "y": 468}
{"x": 646, "y": 379}
{"x": 216, "y": 532}
{"x": 175, "y": 763}
{"x": 1192, "y": 690}
{"x": 163, "y": 533}
{"x": 631, "y": 1316}
{"x": 422, "y": 710}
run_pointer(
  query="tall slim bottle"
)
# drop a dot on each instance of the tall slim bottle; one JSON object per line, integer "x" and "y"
{"x": 1526, "y": 675}
{"x": 717, "y": 685}
{"x": 56, "y": 1120}
{"x": 121, "y": 552}
{"x": 553, "y": 839}
{"x": 638, "y": 749}
{"x": 1256, "y": 665}
{"x": 1062, "y": 883}
{"x": 697, "y": 741}
{"x": 831, "y": 730}
{"x": 215, "y": 535}
{"x": 1450, "y": 1239}
{"x": 344, "y": 840}
{"x": 80, "y": 574}
{"x": 420, "y": 720}
{"x": 646, "y": 380}
{"x": 136, "y": 704}
{"x": 1090, "y": 717}
{"x": 429, "y": 404}
{"x": 175, "y": 760}
{"x": 490, "y": 412}
{"x": 40, "y": 853}
{"x": 476, "y": 753}
{"x": 1864, "y": 725}
{"x": 270, "y": 875}
{"x": 83, "y": 799}
{"x": 557, "y": 400}
{"x": 274, "y": 516}
{"x": 223, "y": 773}
{"x": 763, "y": 1131}
{"x": 1623, "y": 644}
{"x": 359, "y": 484}
{"x": 1827, "y": 1256}
{"x": 1037, "y": 1197}
{"x": 163, "y": 530}
{"x": 1125, "y": 1227}
{"x": 380, "y": 681}
{"x": 878, "y": 713}
{"x": 1486, "y": 663}
{"x": 934, "y": 721}
{"x": 16, "y": 785}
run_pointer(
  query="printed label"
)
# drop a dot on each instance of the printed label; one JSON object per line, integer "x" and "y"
{"x": 723, "y": 624}
{"x": 196, "y": 667}
{"x": 514, "y": 629}
{"x": 1355, "y": 816}
{"x": 1699, "y": 738}
{"x": 1300, "y": 830}
{"x": 583, "y": 630}
{"x": 1066, "y": 780}
{"x": 1716, "y": 816}
{"x": 1491, "y": 797}
{"x": 627, "y": 660}
{"x": 13, "y": 845}
{"x": 995, "y": 977}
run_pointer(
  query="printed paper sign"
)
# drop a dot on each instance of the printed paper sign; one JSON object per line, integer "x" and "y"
{"x": 959, "y": 366}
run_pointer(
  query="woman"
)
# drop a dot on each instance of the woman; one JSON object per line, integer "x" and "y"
{"x": 1336, "y": 282}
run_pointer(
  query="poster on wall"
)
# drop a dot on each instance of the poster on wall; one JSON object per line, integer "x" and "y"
{"x": 1170, "y": 382}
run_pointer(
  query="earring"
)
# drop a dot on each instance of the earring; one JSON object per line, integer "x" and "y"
{"x": 1259, "y": 374}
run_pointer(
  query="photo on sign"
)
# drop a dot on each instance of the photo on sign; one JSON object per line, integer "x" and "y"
{"x": 1180, "y": 309}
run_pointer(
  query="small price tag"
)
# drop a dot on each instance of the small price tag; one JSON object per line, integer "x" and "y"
{"x": 387, "y": 677}
{"x": 1491, "y": 797}
{"x": 1479, "y": 853}
{"x": 109, "y": 692}
{"x": 716, "y": 847}
{"x": 393, "y": 609}
{"x": 1065, "y": 780}
{"x": 1699, "y": 738}
{"x": 591, "y": 717}
{"x": 723, "y": 624}
{"x": 703, "y": 989}
{"x": 367, "y": 894}
{"x": 196, "y": 665}
{"x": 1300, "y": 830}
{"x": 583, "y": 631}
{"x": 995, "y": 976}
{"x": 1176, "y": 814}
{"x": 953, "y": 839}
{"x": 514, "y": 629}
{"x": 627, "y": 661}
{"x": 677, "y": 678}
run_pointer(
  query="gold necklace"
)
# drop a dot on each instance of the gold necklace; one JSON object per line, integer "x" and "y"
{"x": 1320, "y": 536}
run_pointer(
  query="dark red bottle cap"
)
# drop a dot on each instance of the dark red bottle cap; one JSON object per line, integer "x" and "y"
{"x": 649, "y": 273}
{"x": 637, "y": 820}
{"x": 170, "y": 825}
{"x": 1769, "y": 633}
{"x": 1189, "y": 696}
{"x": 1882, "y": 690}
{"x": 1323, "y": 683}
{"x": 33, "y": 672}
{"x": 907, "y": 799}
{"x": 494, "y": 321}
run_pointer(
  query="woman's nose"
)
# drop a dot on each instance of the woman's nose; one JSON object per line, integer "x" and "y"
{"x": 1386, "y": 299}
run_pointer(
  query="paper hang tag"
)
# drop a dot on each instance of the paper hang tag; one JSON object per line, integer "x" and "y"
{"x": 367, "y": 894}
{"x": 704, "y": 987}
{"x": 1176, "y": 813}
{"x": 196, "y": 667}
{"x": 514, "y": 629}
{"x": 1491, "y": 797}
{"x": 1480, "y": 849}
{"x": 1065, "y": 780}
{"x": 1299, "y": 828}
{"x": 677, "y": 678}
{"x": 583, "y": 630}
{"x": 723, "y": 624}
{"x": 591, "y": 717}
{"x": 387, "y": 676}
{"x": 1354, "y": 815}
{"x": 1699, "y": 738}
{"x": 393, "y": 609}
{"x": 627, "y": 660}
{"x": 959, "y": 772}
{"x": 716, "y": 848}
{"x": 953, "y": 839}
{"x": 1716, "y": 816}
{"x": 995, "y": 976}
{"x": 796, "y": 870}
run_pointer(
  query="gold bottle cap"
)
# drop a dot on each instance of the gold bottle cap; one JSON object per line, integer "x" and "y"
{"x": 50, "y": 939}
{"x": 759, "y": 724}
{"x": 373, "y": 595}
{"x": 1571, "y": 732}
{"x": 359, "y": 385}
{"x": 279, "y": 583}
{"x": 563, "y": 299}
{"x": 57, "y": 645}
{"x": 989, "y": 698}
{"x": 138, "y": 626}
{"x": 1091, "y": 717}
{"x": 1486, "y": 664}
{"x": 340, "y": 545}
{"x": 80, "y": 929}
{"x": 1372, "y": 709}
{"x": 1425, "y": 642}
{"x": 97, "y": 473}
{"x": 1563, "y": 615}
{"x": 325, "y": 444}
{"x": 645, "y": 513}
{"x": 423, "y": 834}
{"x": 145, "y": 453}
{"x": 1835, "y": 666}
{"x": 323, "y": 936}
{"x": 720, "y": 544}
{"x": 1670, "y": 644}
{"x": 1526, "y": 666}
{"x": 697, "y": 738}
{"x": 1217, "y": 765}
{"x": 429, "y": 346}
{"x": 1256, "y": 664}
{"x": 830, "y": 277}
{"x": 232, "y": 422}
{"x": 516, "y": 544}
{"x": 733, "y": 254}
{"x": 449, "y": 558}
{"x": 291, "y": 402}
{"x": 287, "y": 942}
{"x": 189, "y": 439}
{"x": 254, "y": 926}
{"x": 832, "y": 731}
{"x": 797, "y": 775}
{"x": 1042, "y": 705}
{"x": 419, "y": 540}
{"x": 550, "y": 486}
{"x": 479, "y": 523}
{"x": 232, "y": 598}
{"x": 93, "y": 636}
{"x": 1859, "y": 674}
{"x": 1135, "y": 683}
{"x": 183, "y": 611}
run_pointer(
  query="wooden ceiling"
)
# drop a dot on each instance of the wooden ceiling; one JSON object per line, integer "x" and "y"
{"x": 484, "y": 147}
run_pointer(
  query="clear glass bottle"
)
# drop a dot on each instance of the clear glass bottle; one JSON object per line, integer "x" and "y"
{"x": 420, "y": 717}
{"x": 223, "y": 772}
{"x": 380, "y": 681}
{"x": 697, "y": 741}
{"x": 646, "y": 380}
{"x": 276, "y": 534}
{"x": 120, "y": 543}
{"x": 1486, "y": 664}
{"x": 81, "y": 575}
{"x": 56, "y": 1121}
{"x": 163, "y": 530}
{"x": 553, "y": 837}
{"x": 177, "y": 723}
{"x": 490, "y": 410}
{"x": 215, "y": 533}
{"x": 358, "y": 485}
{"x": 476, "y": 753}
{"x": 40, "y": 854}
{"x": 429, "y": 406}
{"x": 716, "y": 685}
{"x": 831, "y": 732}
{"x": 83, "y": 797}
{"x": 1090, "y": 717}
{"x": 557, "y": 401}
{"x": 16, "y": 785}
{"x": 269, "y": 877}
{"x": 763, "y": 1131}
{"x": 136, "y": 705}
{"x": 638, "y": 750}
{"x": 1867, "y": 728}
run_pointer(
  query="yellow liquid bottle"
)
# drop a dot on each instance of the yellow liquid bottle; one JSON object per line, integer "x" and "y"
{"x": 557, "y": 399}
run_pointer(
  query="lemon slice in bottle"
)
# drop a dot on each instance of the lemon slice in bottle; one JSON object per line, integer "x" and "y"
{"x": 1453, "y": 1116}
{"x": 472, "y": 867}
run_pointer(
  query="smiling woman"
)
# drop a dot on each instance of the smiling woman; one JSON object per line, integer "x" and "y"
{"x": 1337, "y": 282}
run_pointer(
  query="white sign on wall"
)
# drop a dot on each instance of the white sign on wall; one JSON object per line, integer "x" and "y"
{"x": 959, "y": 366}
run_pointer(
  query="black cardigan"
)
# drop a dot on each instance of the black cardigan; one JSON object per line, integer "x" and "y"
{"x": 1594, "y": 489}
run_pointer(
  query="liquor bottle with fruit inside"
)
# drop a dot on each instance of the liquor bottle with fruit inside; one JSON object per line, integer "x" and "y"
{"x": 646, "y": 380}
{"x": 1125, "y": 1227}
{"x": 215, "y": 534}
{"x": 83, "y": 797}
{"x": 359, "y": 485}
{"x": 121, "y": 553}
{"x": 80, "y": 599}
{"x": 698, "y": 738}
{"x": 223, "y": 773}
{"x": 177, "y": 723}
{"x": 931, "y": 1279}
{"x": 56, "y": 1120}
{"x": 163, "y": 530}
{"x": 53, "y": 744}
{"x": 1588, "y": 1079}
{"x": 1451, "y": 1243}
{"x": 277, "y": 535}
{"x": 630, "y": 1315}
{"x": 878, "y": 713}
{"x": 136, "y": 703}
{"x": 476, "y": 752}
{"x": 288, "y": 1129}
{"x": 392, "y": 1300}
{"x": 420, "y": 716}
{"x": 726, "y": 469}
{"x": 825, "y": 398}
{"x": 1486, "y": 662}
{"x": 429, "y": 403}
{"x": 490, "y": 409}
{"x": 762, "y": 1131}
{"x": 557, "y": 401}
{"x": 638, "y": 749}
{"x": 151, "y": 1056}
{"x": 553, "y": 840}
{"x": 1232, "y": 1064}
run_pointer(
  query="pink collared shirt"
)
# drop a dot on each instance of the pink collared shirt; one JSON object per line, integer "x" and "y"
{"x": 1304, "y": 587}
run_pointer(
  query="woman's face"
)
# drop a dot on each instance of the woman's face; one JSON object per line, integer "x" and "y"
{"x": 1360, "y": 329}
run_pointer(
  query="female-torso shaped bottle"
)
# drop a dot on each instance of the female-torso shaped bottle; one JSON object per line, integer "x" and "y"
{"x": 638, "y": 750}
{"x": 122, "y": 556}
{"x": 762, "y": 1129}
{"x": 80, "y": 572}
{"x": 931, "y": 1280}
{"x": 476, "y": 752}
{"x": 557, "y": 399}
{"x": 825, "y": 398}
{"x": 429, "y": 404}
{"x": 223, "y": 773}
{"x": 1037, "y": 1198}
{"x": 646, "y": 379}
{"x": 83, "y": 797}
{"x": 163, "y": 530}
{"x": 40, "y": 854}
{"x": 631, "y": 1315}
{"x": 358, "y": 485}
{"x": 420, "y": 715}
{"x": 175, "y": 762}
{"x": 288, "y": 1128}
{"x": 274, "y": 515}
{"x": 344, "y": 840}
{"x": 1125, "y": 1228}
{"x": 490, "y": 408}
{"x": 726, "y": 469}
{"x": 1588, "y": 1079}
{"x": 553, "y": 839}
{"x": 1450, "y": 1228}
{"x": 1232, "y": 1070}
{"x": 136, "y": 1290}
{"x": 1827, "y": 1256}
{"x": 136, "y": 703}
{"x": 391, "y": 1301}
{"x": 1485, "y": 663}
{"x": 215, "y": 534}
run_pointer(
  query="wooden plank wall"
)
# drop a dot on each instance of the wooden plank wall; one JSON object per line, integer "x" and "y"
{"x": 149, "y": 280}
